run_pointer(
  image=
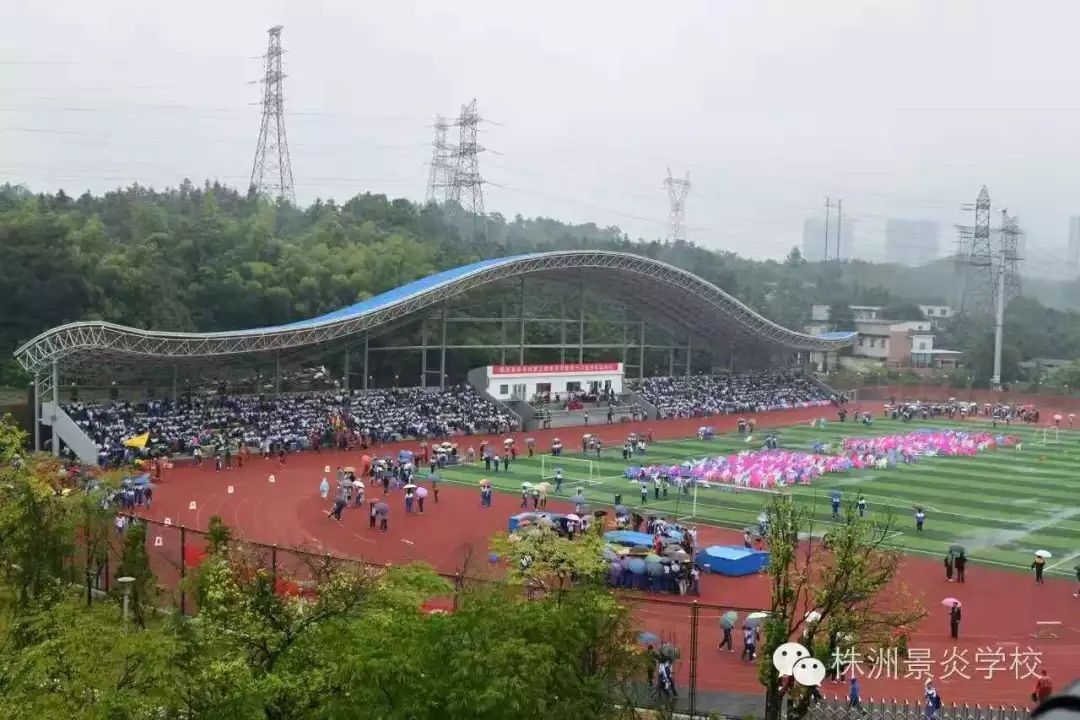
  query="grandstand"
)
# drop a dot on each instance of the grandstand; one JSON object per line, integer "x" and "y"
{"x": 654, "y": 318}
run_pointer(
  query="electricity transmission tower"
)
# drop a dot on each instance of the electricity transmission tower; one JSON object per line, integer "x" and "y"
{"x": 272, "y": 171}
{"x": 1010, "y": 255}
{"x": 677, "y": 192}
{"x": 441, "y": 172}
{"x": 466, "y": 186}
{"x": 976, "y": 257}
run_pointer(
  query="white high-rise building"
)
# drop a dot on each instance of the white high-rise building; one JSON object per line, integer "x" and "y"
{"x": 1073, "y": 256}
{"x": 911, "y": 242}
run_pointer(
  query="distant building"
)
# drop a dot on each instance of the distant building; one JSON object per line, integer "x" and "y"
{"x": 893, "y": 344}
{"x": 813, "y": 244}
{"x": 911, "y": 242}
{"x": 937, "y": 314}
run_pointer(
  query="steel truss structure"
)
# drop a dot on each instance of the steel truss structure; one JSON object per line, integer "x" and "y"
{"x": 671, "y": 295}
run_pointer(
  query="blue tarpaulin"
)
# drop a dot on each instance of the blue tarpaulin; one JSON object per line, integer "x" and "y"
{"x": 732, "y": 560}
{"x": 629, "y": 538}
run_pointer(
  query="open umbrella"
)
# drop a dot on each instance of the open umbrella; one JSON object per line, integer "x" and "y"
{"x": 636, "y": 566}
{"x": 729, "y": 619}
{"x": 421, "y": 492}
{"x": 543, "y": 487}
{"x": 382, "y": 508}
{"x": 621, "y": 510}
{"x": 813, "y": 616}
{"x": 349, "y": 469}
{"x": 573, "y": 517}
{"x": 669, "y": 651}
{"x": 755, "y": 618}
{"x": 950, "y": 601}
{"x": 640, "y": 550}
{"x": 652, "y": 558}
{"x": 485, "y": 483}
{"x": 358, "y": 483}
{"x": 648, "y": 638}
{"x": 1046, "y": 554}
{"x": 599, "y": 513}
{"x": 955, "y": 549}
{"x": 654, "y": 569}
{"x": 410, "y": 486}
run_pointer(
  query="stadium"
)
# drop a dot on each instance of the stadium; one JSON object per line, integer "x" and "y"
{"x": 503, "y": 360}
{"x": 694, "y": 315}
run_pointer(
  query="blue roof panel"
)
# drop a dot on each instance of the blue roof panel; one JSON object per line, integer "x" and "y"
{"x": 398, "y": 294}
{"x": 839, "y": 335}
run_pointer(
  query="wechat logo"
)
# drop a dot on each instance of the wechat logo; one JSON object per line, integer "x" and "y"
{"x": 795, "y": 660}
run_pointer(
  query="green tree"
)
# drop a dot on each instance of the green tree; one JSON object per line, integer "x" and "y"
{"x": 841, "y": 317}
{"x": 36, "y": 537}
{"x": 70, "y": 661}
{"x": 849, "y": 578}
{"x": 544, "y": 561}
{"x": 135, "y": 563}
{"x": 903, "y": 312}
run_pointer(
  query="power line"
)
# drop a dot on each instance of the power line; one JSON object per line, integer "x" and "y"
{"x": 271, "y": 172}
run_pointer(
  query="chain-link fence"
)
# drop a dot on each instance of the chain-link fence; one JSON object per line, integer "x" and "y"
{"x": 835, "y": 709}
{"x": 705, "y": 640}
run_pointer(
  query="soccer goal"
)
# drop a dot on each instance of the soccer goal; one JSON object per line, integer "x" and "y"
{"x": 573, "y": 469}
{"x": 1050, "y": 436}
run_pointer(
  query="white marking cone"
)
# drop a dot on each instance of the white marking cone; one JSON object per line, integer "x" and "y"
{"x": 272, "y": 479}
{"x": 157, "y": 541}
{"x": 230, "y": 489}
{"x": 168, "y": 521}
{"x": 192, "y": 506}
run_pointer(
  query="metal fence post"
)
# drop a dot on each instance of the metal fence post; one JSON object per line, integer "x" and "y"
{"x": 89, "y": 583}
{"x": 457, "y": 589}
{"x": 273, "y": 565}
{"x": 694, "y": 616}
{"x": 183, "y": 569}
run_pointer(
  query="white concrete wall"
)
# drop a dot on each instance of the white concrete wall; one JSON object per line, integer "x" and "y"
{"x": 501, "y": 384}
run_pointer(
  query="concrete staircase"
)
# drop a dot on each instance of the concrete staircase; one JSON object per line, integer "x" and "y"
{"x": 66, "y": 430}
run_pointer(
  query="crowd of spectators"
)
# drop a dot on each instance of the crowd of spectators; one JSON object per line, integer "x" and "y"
{"x": 700, "y": 395}
{"x": 293, "y": 421}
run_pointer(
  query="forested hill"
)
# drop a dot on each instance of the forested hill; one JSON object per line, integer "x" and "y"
{"x": 210, "y": 258}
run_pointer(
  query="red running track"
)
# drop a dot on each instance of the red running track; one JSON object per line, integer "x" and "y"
{"x": 1000, "y": 607}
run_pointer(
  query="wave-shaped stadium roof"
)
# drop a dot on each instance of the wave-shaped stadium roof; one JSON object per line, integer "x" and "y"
{"x": 664, "y": 291}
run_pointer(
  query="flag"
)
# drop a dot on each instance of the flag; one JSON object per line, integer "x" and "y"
{"x": 139, "y": 441}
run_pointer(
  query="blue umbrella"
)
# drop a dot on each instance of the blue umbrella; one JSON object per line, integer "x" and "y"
{"x": 648, "y": 638}
{"x": 636, "y": 566}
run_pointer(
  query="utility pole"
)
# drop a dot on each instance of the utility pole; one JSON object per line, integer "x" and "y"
{"x": 825, "y": 257}
{"x": 677, "y": 192}
{"x": 839, "y": 225}
{"x": 999, "y": 325}
{"x": 271, "y": 173}
{"x": 466, "y": 185}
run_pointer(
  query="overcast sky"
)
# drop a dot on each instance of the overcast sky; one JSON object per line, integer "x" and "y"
{"x": 902, "y": 107}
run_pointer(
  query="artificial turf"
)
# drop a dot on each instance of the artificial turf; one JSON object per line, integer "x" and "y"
{"x": 1002, "y": 504}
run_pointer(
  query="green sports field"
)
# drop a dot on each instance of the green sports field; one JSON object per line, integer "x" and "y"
{"x": 1001, "y": 505}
